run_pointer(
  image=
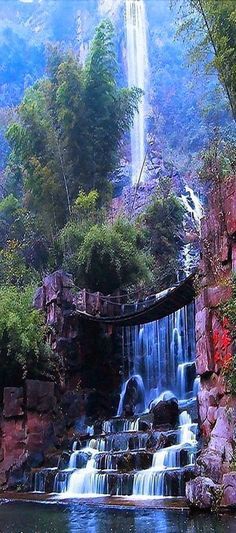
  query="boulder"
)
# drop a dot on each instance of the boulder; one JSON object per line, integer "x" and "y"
{"x": 165, "y": 413}
{"x": 229, "y": 495}
{"x": 13, "y": 402}
{"x": 203, "y": 493}
{"x": 209, "y": 463}
{"x": 134, "y": 397}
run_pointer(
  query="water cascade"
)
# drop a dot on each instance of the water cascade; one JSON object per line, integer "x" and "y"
{"x": 136, "y": 455}
{"x": 137, "y": 66}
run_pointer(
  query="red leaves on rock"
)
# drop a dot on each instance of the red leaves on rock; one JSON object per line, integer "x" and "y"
{"x": 222, "y": 343}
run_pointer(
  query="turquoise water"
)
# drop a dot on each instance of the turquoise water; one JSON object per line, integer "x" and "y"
{"x": 22, "y": 517}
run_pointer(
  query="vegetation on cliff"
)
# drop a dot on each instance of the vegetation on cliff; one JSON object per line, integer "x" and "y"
{"x": 23, "y": 350}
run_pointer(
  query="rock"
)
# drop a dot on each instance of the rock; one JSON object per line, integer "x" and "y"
{"x": 229, "y": 494}
{"x": 13, "y": 402}
{"x": 40, "y": 396}
{"x": 14, "y": 439}
{"x": 145, "y": 422}
{"x": 165, "y": 413}
{"x": 40, "y": 433}
{"x": 39, "y": 299}
{"x": 202, "y": 493}
{"x": 209, "y": 464}
{"x": 134, "y": 397}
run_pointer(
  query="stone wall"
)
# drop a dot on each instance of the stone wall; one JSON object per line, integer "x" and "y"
{"x": 214, "y": 349}
{"x": 27, "y": 430}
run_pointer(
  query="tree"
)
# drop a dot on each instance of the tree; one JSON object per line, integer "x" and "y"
{"x": 163, "y": 227}
{"x": 23, "y": 348}
{"x": 213, "y": 23}
{"x": 106, "y": 257}
{"x": 70, "y": 130}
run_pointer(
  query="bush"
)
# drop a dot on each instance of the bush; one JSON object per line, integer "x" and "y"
{"x": 107, "y": 257}
{"x": 23, "y": 349}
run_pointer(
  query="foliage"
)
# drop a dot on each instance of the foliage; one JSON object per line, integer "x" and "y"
{"x": 211, "y": 24}
{"x": 22, "y": 243}
{"x": 23, "y": 350}
{"x": 228, "y": 310}
{"x": 70, "y": 131}
{"x": 106, "y": 257}
{"x": 218, "y": 159}
{"x": 163, "y": 226}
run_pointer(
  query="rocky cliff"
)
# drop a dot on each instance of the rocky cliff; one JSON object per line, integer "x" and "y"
{"x": 216, "y": 481}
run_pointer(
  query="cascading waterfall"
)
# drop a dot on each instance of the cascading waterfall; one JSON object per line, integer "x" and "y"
{"x": 137, "y": 67}
{"x": 162, "y": 354}
{"x": 131, "y": 457}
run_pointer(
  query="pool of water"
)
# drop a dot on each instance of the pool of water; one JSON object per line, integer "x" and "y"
{"x": 22, "y": 517}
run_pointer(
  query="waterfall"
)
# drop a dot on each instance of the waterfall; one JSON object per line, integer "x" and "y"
{"x": 137, "y": 65}
{"x": 135, "y": 455}
{"x": 162, "y": 354}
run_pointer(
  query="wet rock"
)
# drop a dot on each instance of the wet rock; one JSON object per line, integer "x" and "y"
{"x": 165, "y": 413}
{"x": 145, "y": 422}
{"x": 209, "y": 464}
{"x": 202, "y": 493}
{"x": 64, "y": 460}
{"x": 40, "y": 396}
{"x": 134, "y": 396}
{"x": 229, "y": 494}
{"x": 158, "y": 440}
{"x": 13, "y": 402}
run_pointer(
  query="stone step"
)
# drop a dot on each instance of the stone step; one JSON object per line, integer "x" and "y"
{"x": 144, "y": 482}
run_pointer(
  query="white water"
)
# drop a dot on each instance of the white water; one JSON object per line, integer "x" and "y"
{"x": 193, "y": 205}
{"x": 160, "y": 355}
{"x": 137, "y": 66}
{"x": 153, "y": 481}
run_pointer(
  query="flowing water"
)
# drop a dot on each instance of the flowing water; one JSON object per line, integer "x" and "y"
{"x": 131, "y": 457}
{"x": 137, "y": 71}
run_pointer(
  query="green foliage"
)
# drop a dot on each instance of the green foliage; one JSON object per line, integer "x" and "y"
{"x": 218, "y": 159}
{"x": 228, "y": 310}
{"x": 211, "y": 24}
{"x": 106, "y": 257}
{"x": 163, "y": 226}
{"x": 23, "y": 350}
{"x": 70, "y": 130}
{"x": 23, "y": 246}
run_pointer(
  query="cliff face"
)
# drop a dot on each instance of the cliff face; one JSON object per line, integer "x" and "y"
{"x": 214, "y": 350}
{"x": 41, "y": 419}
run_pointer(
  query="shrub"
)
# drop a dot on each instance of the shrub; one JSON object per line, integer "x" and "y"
{"x": 24, "y": 351}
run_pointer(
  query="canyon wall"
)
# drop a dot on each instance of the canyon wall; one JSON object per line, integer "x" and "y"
{"x": 216, "y": 481}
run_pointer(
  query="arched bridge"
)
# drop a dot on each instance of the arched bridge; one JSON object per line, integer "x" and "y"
{"x": 95, "y": 307}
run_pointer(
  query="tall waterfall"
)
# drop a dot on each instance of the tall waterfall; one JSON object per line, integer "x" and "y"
{"x": 137, "y": 64}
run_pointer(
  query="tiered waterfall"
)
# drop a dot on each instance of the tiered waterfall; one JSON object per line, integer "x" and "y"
{"x": 135, "y": 455}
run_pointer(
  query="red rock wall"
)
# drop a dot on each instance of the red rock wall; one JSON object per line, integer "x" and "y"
{"x": 27, "y": 430}
{"x": 217, "y": 407}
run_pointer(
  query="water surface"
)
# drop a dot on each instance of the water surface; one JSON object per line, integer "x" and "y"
{"x": 22, "y": 517}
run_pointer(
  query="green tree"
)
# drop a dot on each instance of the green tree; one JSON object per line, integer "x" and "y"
{"x": 106, "y": 257}
{"x": 163, "y": 233}
{"x": 23, "y": 349}
{"x": 70, "y": 130}
{"x": 212, "y": 24}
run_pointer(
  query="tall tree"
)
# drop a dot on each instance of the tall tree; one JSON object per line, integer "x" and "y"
{"x": 213, "y": 24}
{"x": 71, "y": 126}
